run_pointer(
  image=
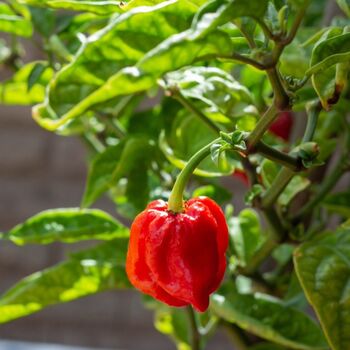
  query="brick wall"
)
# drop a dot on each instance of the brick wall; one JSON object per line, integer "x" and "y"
{"x": 39, "y": 170}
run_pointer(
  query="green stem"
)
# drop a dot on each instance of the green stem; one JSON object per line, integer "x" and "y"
{"x": 94, "y": 142}
{"x": 277, "y": 156}
{"x": 312, "y": 122}
{"x": 296, "y": 24}
{"x": 262, "y": 125}
{"x": 113, "y": 126}
{"x": 265, "y": 28}
{"x": 247, "y": 35}
{"x": 175, "y": 203}
{"x": 281, "y": 98}
{"x": 247, "y": 60}
{"x": 276, "y": 234}
{"x": 278, "y": 185}
{"x": 193, "y": 109}
{"x": 250, "y": 170}
{"x": 282, "y": 43}
{"x": 326, "y": 187}
{"x": 196, "y": 337}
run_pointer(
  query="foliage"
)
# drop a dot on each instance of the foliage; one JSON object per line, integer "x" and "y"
{"x": 215, "y": 75}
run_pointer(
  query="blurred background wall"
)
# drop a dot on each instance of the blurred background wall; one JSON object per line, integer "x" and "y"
{"x": 38, "y": 171}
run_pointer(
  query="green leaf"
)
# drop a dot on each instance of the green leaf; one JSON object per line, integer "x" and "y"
{"x": 113, "y": 164}
{"x": 218, "y": 193}
{"x": 85, "y": 273}
{"x": 266, "y": 346}
{"x": 34, "y": 76}
{"x": 21, "y": 89}
{"x": 338, "y": 203}
{"x": 238, "y": 8}
{"x": 66, "y": 225}
{"x": 100, "y": 7}
{"x": 269, "y": 171}
{"x": 187, "y": 136}
{"x": 268, "y": 318}
{"x": 44, "y": 21}
{"x": 323, "y": 268}
{"x": 15, "y": 19}
{"x": 175, "y": 324}
{"x": 181, "y": 163}
{"x": 215, "y": 88}
{"x": 330, "y": 50}
{"x": 296, "y": 185}
{"x": 246, "y": 235}
{"x": 120, "y": 47}
{"x": 202, "y": 41}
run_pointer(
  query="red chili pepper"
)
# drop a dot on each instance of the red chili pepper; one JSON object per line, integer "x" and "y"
{"x": 282, "y": 126}
{"x": 178, "y": 258}
{"x": 240, "y": 174}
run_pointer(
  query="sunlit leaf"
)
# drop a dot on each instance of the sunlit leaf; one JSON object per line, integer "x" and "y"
{"x": 84, "y": 273}
{"x": 66, "y": 225}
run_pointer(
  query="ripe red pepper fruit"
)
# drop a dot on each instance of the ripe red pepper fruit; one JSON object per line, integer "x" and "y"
{"x": 241, "y": 175}
{"x": 178, "y": 258}
{"x": 282, "y": 126}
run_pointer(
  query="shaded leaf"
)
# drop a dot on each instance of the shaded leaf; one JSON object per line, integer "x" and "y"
{"x": 113, "y": 164}
{"x": 323, "y": 268}
{"x": 338, "y": 203}
{"x": 332, "y": 49}
{"x": 246, "y": 235}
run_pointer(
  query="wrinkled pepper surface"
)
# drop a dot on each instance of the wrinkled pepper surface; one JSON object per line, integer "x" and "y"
{"x": 178, "y": 258}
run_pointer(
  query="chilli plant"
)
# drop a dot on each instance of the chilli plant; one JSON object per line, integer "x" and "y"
{"x": 173, "y": 100}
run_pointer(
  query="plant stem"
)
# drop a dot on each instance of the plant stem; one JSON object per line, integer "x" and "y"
{"x": 193, "y": 109}
{"x": 250, "y": 169}
{"x": 279, "y": 184}
{"x": 281, "y": 98}
{"x": 92, "y": 140}
{"x": 196, "y": 337}
{"x": 247, "y": 60}
{"x": 175, "y": 203}
{"x": 275, "y": 235}
{"x": 277, "y": 156}
{"x": 249, "y": 38}
{"x": 282, "y": 43}
{"x": 113, "y": 126}
{"x": 262, "y": 125}
{"x": 312, "y": 122}
{"x": 265, "y": 28}
{"x": 326, "y": 186}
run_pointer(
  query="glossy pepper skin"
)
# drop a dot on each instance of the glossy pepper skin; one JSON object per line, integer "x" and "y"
{"x": 178, "y": 258}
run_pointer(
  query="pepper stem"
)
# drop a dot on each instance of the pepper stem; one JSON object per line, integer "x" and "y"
{"x": 175, "y": 203}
